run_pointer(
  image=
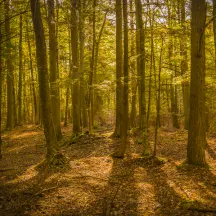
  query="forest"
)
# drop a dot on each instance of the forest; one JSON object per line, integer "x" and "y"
{"x": 108, "y": 107}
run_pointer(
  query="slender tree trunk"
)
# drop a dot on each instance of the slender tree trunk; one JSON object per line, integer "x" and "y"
{"x": 184, "y": 66}
{"x": 151, "y": 18}
{"x": 122, "y": 148}
{"x": 91, "y": 75}
{"x": 76, "y": 76}
{"x": 133, "y": 69}
{"x": 214, "y": 27}
{"x": 41, "y": 55}
{"x": 171, "y": 66}
{"x": 10, "y": 104}
{"x": 20, "y": 75}
{"x": 141, "y": 74}
{"x": 36, "y": 111}
{"x": 197, "y": 127}
{"x": 66, "y": 107}
{"x": 1, "y": 79}
{"x": 98, "y": 100}
{"x": 158, "y": 101}
{"x": 54, "y": 86}
{"x": 119, "y": 68}
{"x": 82, "y": 83}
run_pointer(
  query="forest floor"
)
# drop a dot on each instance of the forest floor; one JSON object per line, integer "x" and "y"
{"x": 96, "y": 184}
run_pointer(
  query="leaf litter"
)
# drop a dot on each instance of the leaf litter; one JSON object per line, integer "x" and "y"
{"x": 96, "y": 184}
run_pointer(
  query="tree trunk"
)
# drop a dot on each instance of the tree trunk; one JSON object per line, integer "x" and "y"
{"x": 141, "y": 75}
{"x": 158, "y": 101}
{"x": 20, "y": 75}
{"x": 197, "y": 129}
{"x": 1, "y": 78}
{"x": 171, "y": 67}
{"x": 82, "y": 83}
{"x": 41, "y": 55}
{"x": 76, "y": 76}
{"x": 184, "y": 67}
{"x": 10, "y": 104}
{"x": 119, "y": 68}
{"x": 133, "y": 69}
{"x": 54, "y": 85}
{"x": 36, "y": 110}
{"x": 122, "y": 148}
{"x": 151, "y": 19}
{"x": 214, "y": 27}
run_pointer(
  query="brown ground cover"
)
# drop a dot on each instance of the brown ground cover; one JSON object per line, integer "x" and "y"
{"x": 95, "y": 184}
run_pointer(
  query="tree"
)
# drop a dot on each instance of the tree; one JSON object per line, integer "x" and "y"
{"x": 41, "y": 55}
{"x": 214, "y": 26}
{"x": 1, "y": 76}
{"x": 133, "y": 70}
{"x": 36, "y": 110}
{"x": 141, "y": 76}
{"x": 197, "y": 130}
{"x": 172, "y": 67}
{"x": 76, "y": 80}
{"x": 20, "y": 74}
{"x": 54, "y": 85}
{"x": 124, "y": 127}
{"x": 184, "y": 65}
{"x": 119, "y": 68}
{"x": 81, "y": 54}
{"x": 10, "y": 87}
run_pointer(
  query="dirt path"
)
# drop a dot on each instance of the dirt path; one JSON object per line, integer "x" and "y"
{"x": 96, "y": 184}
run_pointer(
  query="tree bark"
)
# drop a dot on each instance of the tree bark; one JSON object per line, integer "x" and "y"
{"x": 20, "y": 75}
{"x": 36, "y": 110}
{"x": 49, "y": 131}
{"x": 1, "y": 78}
{"x": 197, "y": 129}
{"x": 141, "y": 75}
{"x": 184, "y": 66}
{"x": 84, "y": 121}
{"x": 133, "y": 69}
{"x": 214, "y": 27}
{"x": 54, "y": 85}
{"x": 76, "y": 76}
{"x": 119, "y": 68}
{"x": 10, "y": 103}
{"x": 121, "y": 151}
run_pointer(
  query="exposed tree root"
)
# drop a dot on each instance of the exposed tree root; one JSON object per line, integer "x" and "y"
{"x": 117, "y": 154}
{"x": 58, "y": 160}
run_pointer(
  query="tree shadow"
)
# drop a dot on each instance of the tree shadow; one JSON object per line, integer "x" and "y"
{"x": 210, "y": 151}
{"x": 25, "y": 196}
{"x": 114, "y": 194}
